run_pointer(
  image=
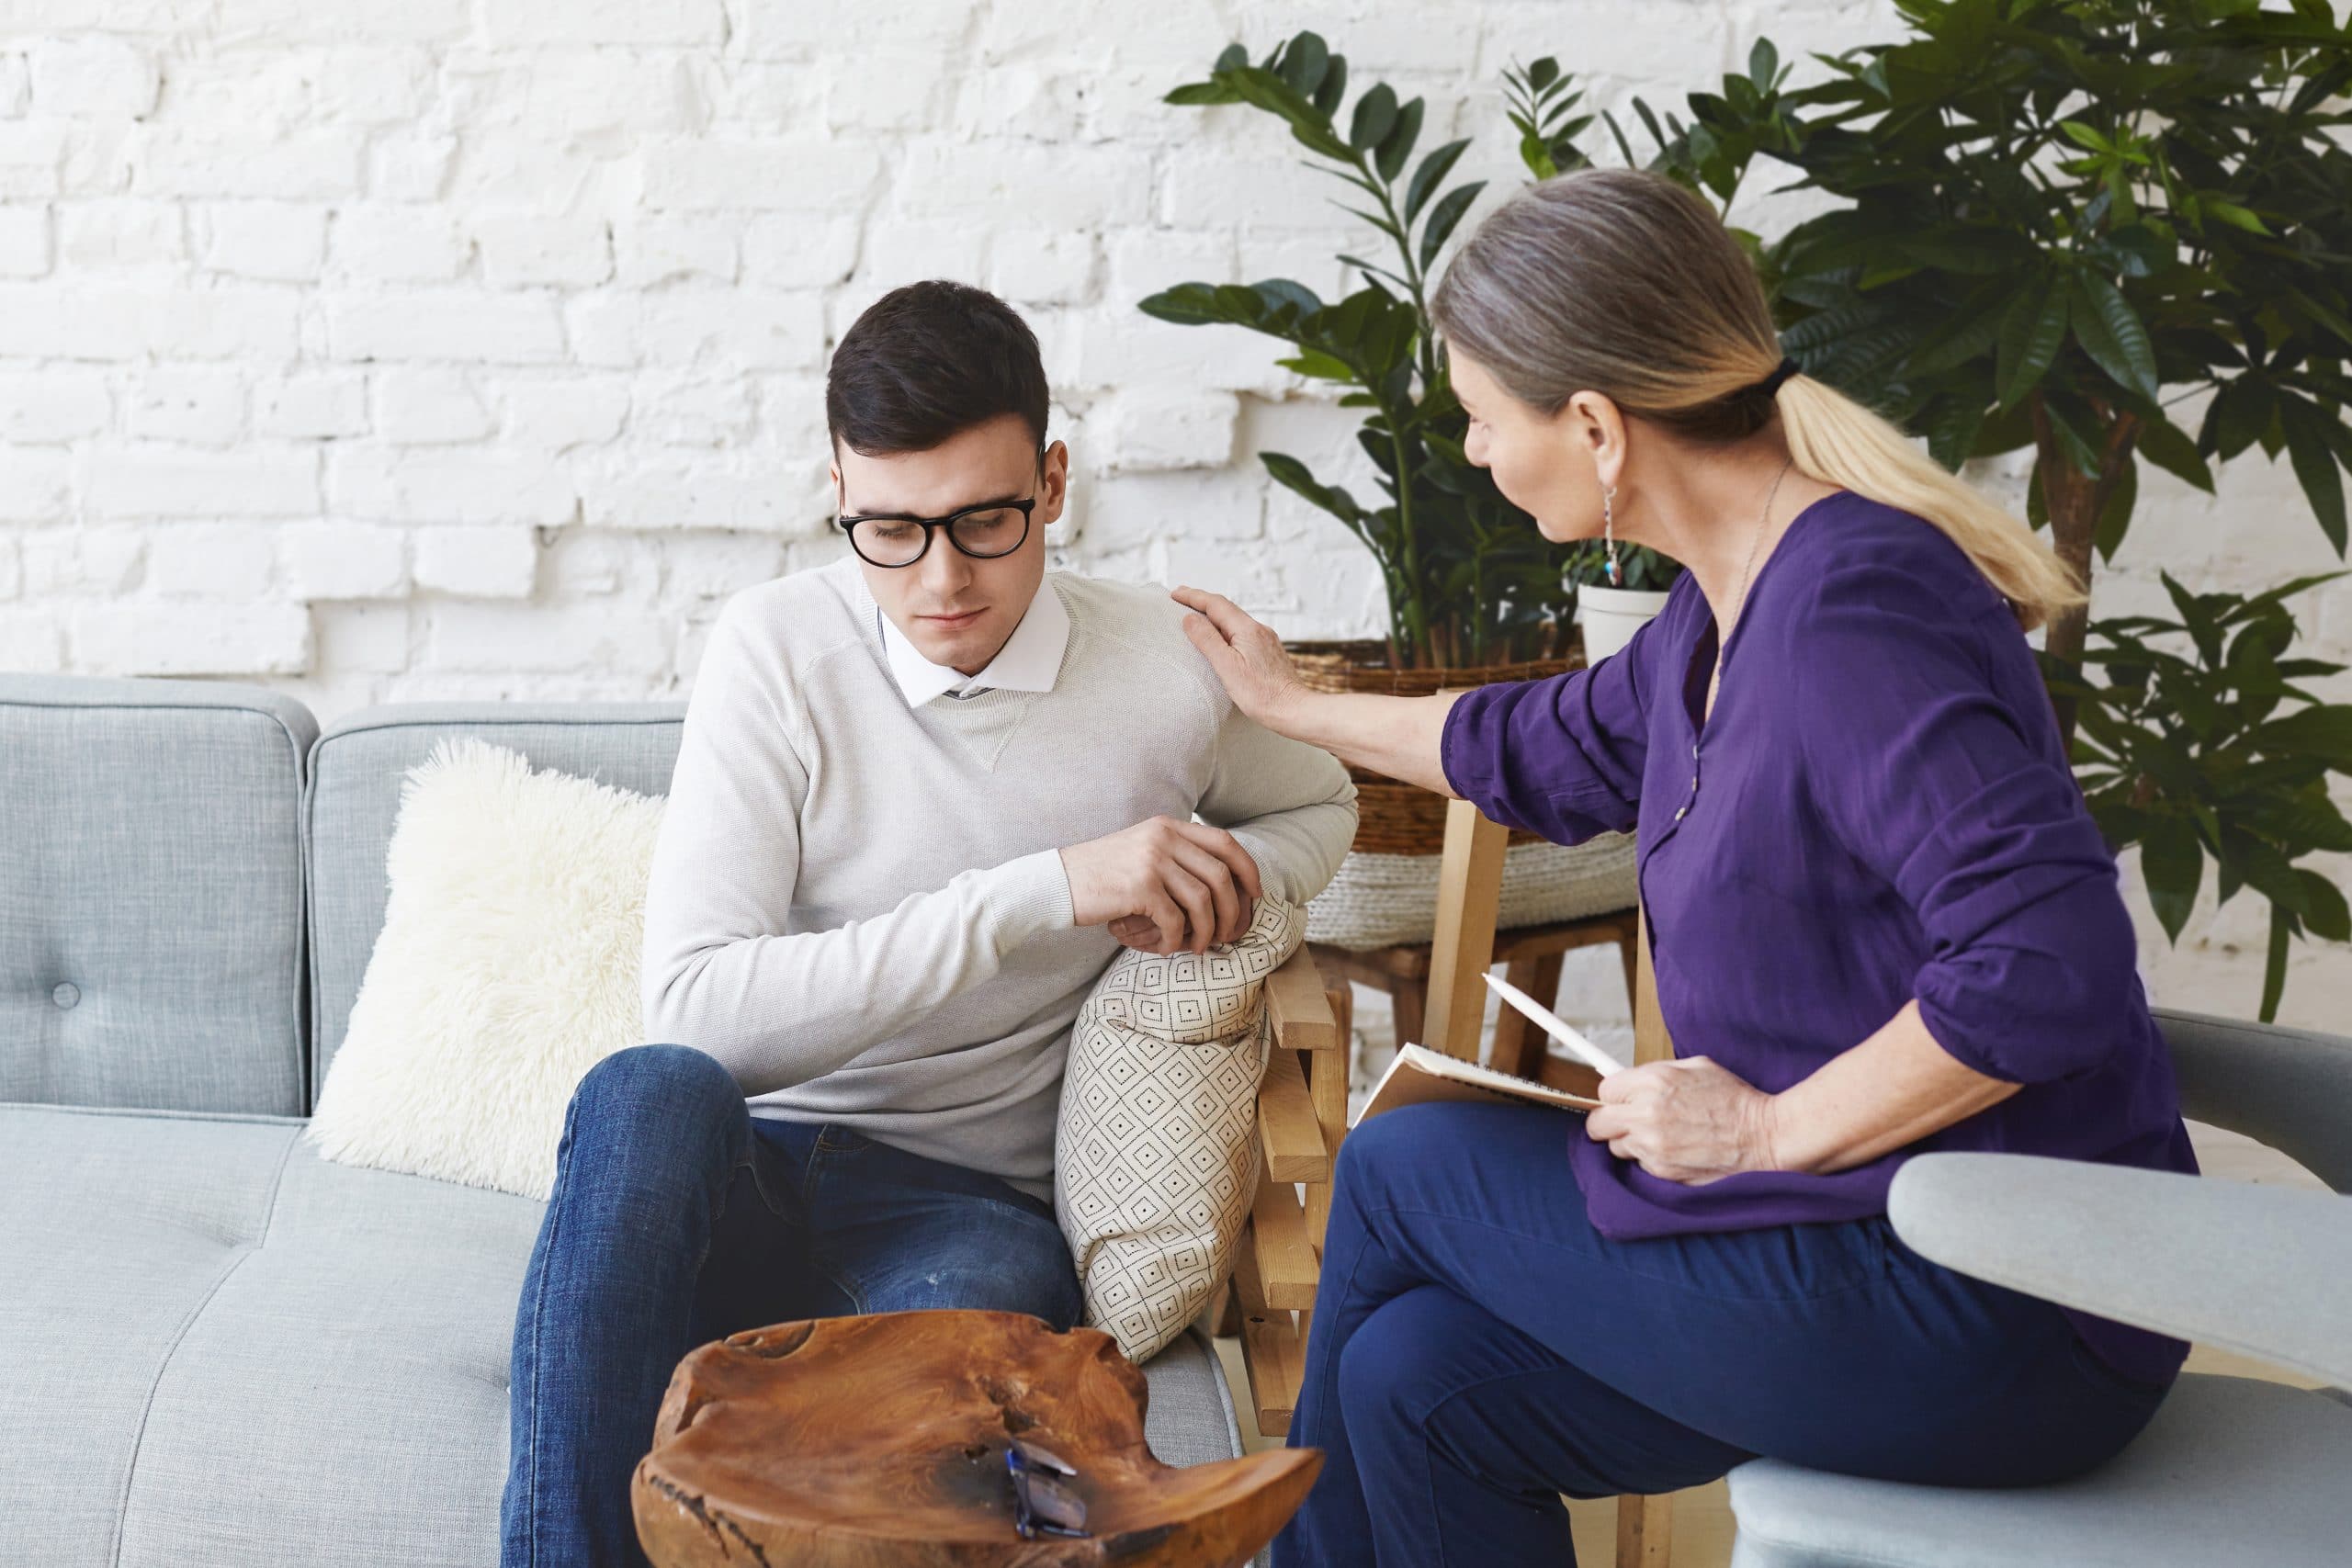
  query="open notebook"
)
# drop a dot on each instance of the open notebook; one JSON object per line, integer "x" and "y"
{"x": 1420, "y": 1074}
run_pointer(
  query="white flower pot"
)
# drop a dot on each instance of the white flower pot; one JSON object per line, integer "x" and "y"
{"x": 1612, "y": 616}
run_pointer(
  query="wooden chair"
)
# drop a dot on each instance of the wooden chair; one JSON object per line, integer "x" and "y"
{"x": 1303, "y": 1111}
{"x": 1469, "y": 891}
{"x": 1532, "y": 958}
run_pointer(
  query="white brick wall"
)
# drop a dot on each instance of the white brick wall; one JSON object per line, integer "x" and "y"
{"x": 475, "y": 347}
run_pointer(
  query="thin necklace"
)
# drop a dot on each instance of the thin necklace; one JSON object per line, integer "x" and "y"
{"x": 1740, "y": 602}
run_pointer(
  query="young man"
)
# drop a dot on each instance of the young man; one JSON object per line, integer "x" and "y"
{"x": 921, "y": 797}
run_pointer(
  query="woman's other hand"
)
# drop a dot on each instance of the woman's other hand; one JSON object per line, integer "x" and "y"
{"x": 1685, "y": 1120}
{"x": 1246, "y": 654}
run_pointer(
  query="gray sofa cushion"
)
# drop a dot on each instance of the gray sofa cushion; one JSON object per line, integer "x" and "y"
{"x": 219, "y": 1351}
{"x": 151, "y": 934}
{"x": 355, "y": 795}
{"x": 2232, "y": 1470}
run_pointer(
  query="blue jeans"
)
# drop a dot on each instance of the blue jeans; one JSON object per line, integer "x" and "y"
{"x": 1479, "y": 1349}
{"x": 678, "y": 1218}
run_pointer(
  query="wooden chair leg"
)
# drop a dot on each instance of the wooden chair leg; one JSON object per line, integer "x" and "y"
{"x": 1646, "y": 1525}
{"x": 1645, "y": 1532}
{"x": 1469, "y": 897}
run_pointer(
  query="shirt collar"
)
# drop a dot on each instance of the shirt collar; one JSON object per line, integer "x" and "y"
{"x": 1029, "y": 661}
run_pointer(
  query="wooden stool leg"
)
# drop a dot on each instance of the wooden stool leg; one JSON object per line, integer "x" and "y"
{"x": 1409, "y": 1001}
{"x": 1519, "y": 1044}
{"x": 1629, "y": 948}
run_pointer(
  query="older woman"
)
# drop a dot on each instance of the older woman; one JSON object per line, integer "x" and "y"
{"x": 1881, "y": 917}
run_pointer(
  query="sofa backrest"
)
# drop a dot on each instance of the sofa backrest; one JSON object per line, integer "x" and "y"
{"x": 353, "y": 799}
{"x": 150, "y": 893}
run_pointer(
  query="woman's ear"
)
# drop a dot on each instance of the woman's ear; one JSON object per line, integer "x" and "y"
{"x": 1595, "y": 428}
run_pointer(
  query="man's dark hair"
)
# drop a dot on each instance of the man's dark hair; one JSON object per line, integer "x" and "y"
{"x": 928, "y": 360}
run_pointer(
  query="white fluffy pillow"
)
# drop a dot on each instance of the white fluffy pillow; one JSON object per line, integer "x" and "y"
{"x": 506, "y": 968}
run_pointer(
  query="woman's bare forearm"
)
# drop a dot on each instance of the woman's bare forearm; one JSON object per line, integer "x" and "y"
{"x": 1894, "y": 1089}
{"x": 1395, "y": 735}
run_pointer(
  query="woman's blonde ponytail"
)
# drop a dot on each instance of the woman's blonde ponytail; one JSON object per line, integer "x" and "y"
{"x": 1839, "y": 442}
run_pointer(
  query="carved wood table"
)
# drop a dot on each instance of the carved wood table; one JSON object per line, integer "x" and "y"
{"x": 879, "y": 1442}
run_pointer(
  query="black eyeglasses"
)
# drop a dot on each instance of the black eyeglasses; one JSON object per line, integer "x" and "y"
{"x": 984, "y": 532}
{"x": 995, "y": 528}
{"x": 1040, "y": 1503}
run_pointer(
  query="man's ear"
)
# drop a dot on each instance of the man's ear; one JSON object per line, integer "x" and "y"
{"x": 1054, "y": 487}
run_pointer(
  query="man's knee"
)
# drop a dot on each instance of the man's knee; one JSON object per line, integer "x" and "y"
{"x": 1019, "y": 1266}
{"x": 671, "y": 1087}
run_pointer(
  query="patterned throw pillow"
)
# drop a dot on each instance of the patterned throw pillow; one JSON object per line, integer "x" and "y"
{"x": 1156, "y": 1156}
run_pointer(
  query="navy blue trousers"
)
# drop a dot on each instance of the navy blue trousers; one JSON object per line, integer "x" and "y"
{"x": 1479, "y": 1349}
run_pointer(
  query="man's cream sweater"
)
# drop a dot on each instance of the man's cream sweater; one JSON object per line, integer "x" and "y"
{"x": 859, "y": 906}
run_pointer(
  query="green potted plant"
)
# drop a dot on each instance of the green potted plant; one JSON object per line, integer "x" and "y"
{"x": 2061, "y": 219}
{"x": 1475, "y": 593}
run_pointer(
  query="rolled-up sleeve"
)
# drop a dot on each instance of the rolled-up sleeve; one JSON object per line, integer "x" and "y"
{"x": 1919, "y": 761}
{"x": 1561, "y": 756}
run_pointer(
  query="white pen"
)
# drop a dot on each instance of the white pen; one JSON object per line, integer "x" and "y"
{"x": 1592, "y": 1055}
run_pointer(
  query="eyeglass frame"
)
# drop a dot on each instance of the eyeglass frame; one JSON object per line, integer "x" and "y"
{"x": 847, "y": 523}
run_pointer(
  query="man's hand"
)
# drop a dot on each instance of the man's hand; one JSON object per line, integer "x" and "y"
{"x": 1687, "y": 1119}
{"x": 1164, "y": 886}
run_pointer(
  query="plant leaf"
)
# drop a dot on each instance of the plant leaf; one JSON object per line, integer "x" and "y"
{"x": 2030, "y": 334}
{"x": 1397, "y": 145}
{"x": 2170, "y": 448}
{"x": 2111, "y": 332}
{"x": 1433, "y": 169}
{"x": 2173, "y": 865}
{"x": 1375, "y": 116}
{"x": 1444, "y": 216}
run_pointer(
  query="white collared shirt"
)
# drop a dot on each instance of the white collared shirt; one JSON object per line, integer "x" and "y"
{"x": 1028, "y": 661}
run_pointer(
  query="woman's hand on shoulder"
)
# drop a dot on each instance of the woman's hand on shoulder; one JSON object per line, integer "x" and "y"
{"x": 1687, "y": 1119}
{"x": 1246, "y": 653}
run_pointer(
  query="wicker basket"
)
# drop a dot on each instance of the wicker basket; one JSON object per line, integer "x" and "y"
{"x": 1392, "y": 817}
{"x": 1385, "y": 892}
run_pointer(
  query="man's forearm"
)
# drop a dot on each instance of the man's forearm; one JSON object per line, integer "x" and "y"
{"x": 1298, "y": 851}
{"x": 779, "y": 1011}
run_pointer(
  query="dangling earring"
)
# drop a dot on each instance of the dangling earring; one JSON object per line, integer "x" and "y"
{"x": 1609, "y": 536}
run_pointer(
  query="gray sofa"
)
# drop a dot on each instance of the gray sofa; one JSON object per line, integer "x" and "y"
{"x": 218, "y": 1350}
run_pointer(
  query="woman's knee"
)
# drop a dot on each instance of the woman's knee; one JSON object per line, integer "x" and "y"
{"x": 1389, "y": 1367}
{"x": 1395, "y": 1143}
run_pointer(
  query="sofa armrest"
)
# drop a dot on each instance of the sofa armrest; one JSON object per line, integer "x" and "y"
{"x": 2290, "y": 1088}
{"x": 2263, "y": 1270}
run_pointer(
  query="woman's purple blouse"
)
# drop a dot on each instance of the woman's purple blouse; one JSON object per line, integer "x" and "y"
{"x": 1878, "y": 809}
